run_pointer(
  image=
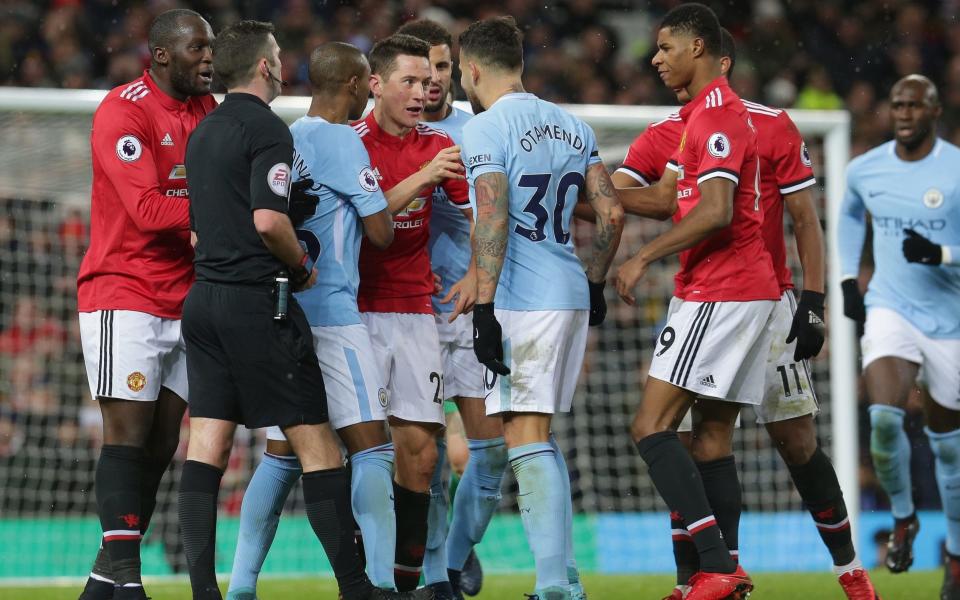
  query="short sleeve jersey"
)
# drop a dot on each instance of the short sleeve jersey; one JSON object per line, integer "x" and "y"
{"x": 449, "y": 229}
{"x": 648, "y": 154}
{"x": 399, "y": 279}
{"x": 239, "y": 161}
{"x": 333, "y": 156}
{"x": 785, "y": 168}
{"x": 544, "y": 152}
{"x": 140, "y": 257}
{"x": 719, "y": 140}
{"x": 923, "y": 195}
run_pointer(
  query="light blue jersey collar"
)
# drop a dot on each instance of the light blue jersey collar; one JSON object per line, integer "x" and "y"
{"x": 515, "y": 96}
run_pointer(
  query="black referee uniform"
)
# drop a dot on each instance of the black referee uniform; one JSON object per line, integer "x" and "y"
{"x": 243, "y": 365}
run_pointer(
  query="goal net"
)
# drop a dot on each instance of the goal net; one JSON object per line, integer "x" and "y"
{"x": 50, "y": 428}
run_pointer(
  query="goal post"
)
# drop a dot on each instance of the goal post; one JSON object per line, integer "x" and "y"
{"x": 45, "y": 178}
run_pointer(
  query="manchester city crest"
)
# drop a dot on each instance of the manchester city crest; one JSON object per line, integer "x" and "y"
{"x": 933, "y": 198}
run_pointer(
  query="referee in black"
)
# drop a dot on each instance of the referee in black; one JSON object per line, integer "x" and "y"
{"x": 250, "y": 356}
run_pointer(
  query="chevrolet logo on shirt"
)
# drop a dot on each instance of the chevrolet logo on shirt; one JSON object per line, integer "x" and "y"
{"x": 178, "y": 172}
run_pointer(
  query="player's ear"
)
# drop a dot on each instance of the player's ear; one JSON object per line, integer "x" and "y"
{"x": 375, "y": 85}
{"x": 161, "y": 56}
{"x": 474, "y": 72}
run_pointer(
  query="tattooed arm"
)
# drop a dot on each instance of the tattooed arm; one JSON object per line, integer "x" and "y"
{"x": 490, "y": 232}
{"x": 602, "y": 196}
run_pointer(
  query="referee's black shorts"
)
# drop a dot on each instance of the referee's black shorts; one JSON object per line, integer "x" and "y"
{"x": 244, "y": 366}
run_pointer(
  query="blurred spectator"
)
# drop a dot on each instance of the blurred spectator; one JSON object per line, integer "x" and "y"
{"x": 803, "y": 54}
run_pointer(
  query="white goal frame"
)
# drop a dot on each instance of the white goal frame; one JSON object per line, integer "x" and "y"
{"x": 832, "y": 125}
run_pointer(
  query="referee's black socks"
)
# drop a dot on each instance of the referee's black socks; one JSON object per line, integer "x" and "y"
{"x": 678, "y": 481}
{"x": 326, "y": 494}
{"x": 820, "y": 490}
{"x": 197, "y": 508}
{"x": 118, "y": 479}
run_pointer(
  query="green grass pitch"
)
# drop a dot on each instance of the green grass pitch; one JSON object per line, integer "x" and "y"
{"x": 770, "y": 586}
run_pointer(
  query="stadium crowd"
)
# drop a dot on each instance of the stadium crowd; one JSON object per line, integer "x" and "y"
{"x": 801, "y": 54}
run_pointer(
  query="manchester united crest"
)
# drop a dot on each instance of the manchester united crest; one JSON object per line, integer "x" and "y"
{"x": 136, "y": 381}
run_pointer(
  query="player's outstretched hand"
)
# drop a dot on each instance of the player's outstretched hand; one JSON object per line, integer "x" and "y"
{"x": 302, "y": 203}
{"x": 465, "y": 294}
{"x": 853, "y": 301}
{"x": 445, "y": 165}
{"x": 628, "y": 275}
{"x": 807, "y": 327}
{"x": 918, "y": 249}
{"x": 488, "y": 339}
{"x": 598, "y": 304}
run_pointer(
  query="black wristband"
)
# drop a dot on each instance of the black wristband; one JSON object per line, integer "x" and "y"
{"x": 483, "y": 310}
{"x": 299, "y": 275}
{"x": 597, "y": 286}
{"x": 811, "y": 298}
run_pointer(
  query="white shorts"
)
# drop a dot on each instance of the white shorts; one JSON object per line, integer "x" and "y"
{"x": 788, "y": 388}
{"x": 716, "y": 349}
{"x": 462, "y": 372}
{"x": 130, "y": 355}
{"x": 887, "y": 333}
{"x": 406, "y": 349}
{"x": 544, "y": 350}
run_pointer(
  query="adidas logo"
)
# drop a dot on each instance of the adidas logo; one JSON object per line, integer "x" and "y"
{"x": 167, "y": 140}
{"x": 707, "y": 381}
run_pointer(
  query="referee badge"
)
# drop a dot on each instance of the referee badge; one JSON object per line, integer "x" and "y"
{"x": 278, "y": 179}
{"x": 136, "y": 381}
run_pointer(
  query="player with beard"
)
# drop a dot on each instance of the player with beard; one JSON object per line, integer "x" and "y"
{"x": 528, "y": 163}
{"x": 132, "y": 284}
{"x": 450, "y": 556}
{"x": 410, "y": 159}
{"x": 911, "y": 312}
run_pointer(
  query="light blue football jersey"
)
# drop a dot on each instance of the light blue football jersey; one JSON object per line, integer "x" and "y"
{"x": 923, "y": 195}
{"x": 449, "y": 243}
{"x": 545, "y": 153}
{"x": 335, "y": 158}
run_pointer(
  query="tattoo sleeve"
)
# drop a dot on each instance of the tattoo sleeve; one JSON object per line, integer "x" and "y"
{"x": 490, "y": 232}
{"x": 602, "y": 196}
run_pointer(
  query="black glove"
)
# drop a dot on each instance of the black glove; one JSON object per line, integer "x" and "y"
{"x": 488, "y": 339}
{"x": 853, "y": 301}
{"x": 807, "y": 327}
{"x": 918, "y": 249}
{"x": 598, "y": 304}
{"x": 302, "y": 204}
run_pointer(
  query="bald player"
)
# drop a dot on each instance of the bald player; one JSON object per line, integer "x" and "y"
{"x": 911, "y": 311}
{"x": 351, "y": 205}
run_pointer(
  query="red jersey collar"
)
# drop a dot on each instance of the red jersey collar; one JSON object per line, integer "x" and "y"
{"x": 388, "y": 139}
{"x": 166, "y": 100}
{"x": 718, "y": 83}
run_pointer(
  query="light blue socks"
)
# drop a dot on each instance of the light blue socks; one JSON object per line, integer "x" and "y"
{"x": 946, "y": 447}
{"x": 542, "y": 511}
{"x": 371, "y": 497}
{"x": 259, "y": 516}
{"x": 890, "y": 449}
{"x": 478, "y": 497}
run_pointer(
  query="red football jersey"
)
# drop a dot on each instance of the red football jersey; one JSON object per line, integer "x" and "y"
{"x": 140, "y": 256}
{"x": 399, "y": 278}
{"x": 719, "y": 140}
{"x": 784, "y": 168}
{"x": 648, "y": 154}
